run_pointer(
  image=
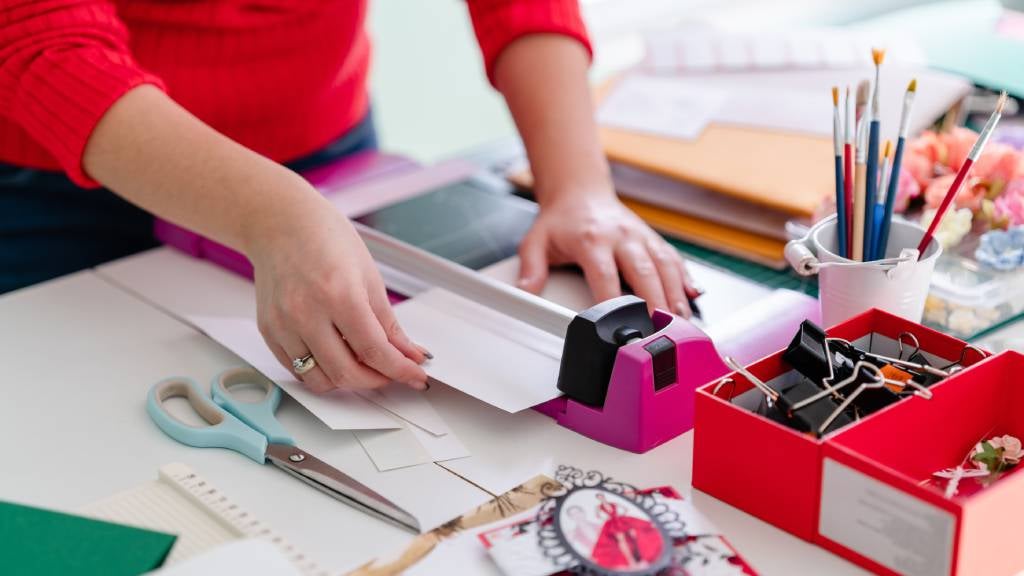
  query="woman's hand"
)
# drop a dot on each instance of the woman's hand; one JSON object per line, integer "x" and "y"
{"x": 606, "y": 239}
{"x": 318, "y": 291}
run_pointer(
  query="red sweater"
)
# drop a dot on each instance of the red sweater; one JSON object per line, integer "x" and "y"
{"x": 283, "y": 77}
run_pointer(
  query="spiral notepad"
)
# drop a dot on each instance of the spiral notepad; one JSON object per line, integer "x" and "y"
{"x": 181, "y": 502}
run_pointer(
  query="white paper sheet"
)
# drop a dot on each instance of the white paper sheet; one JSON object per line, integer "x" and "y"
{"x": 786, "y": 101}
{"x": 440, "y": 448}
{"x": 661, "y": 106}
{"x": 253, "y": 557}
{"x": 392, "y": 449}
{"x": 339, "y": 410}
{"x": 409, "y": 446}
{"x": 409, "y": 405}
{"x": 492, "y": 357}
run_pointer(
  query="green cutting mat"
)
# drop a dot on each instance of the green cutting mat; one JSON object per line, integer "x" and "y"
{"x": 755, "y": 272}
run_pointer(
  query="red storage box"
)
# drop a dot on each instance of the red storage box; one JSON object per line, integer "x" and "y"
{"x": 770, "y": 470}
{"x": 877, "y": 477}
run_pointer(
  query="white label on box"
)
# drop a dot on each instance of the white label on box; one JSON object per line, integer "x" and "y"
{"x": 884, "y": 524}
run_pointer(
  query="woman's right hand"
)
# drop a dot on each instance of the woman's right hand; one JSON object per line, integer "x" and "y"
{"x": 319, "y": 292}
{"x": 317, "y": 289}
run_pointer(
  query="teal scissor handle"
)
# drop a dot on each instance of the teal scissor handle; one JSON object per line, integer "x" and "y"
{"x": 223, "y": 431}
{"x": 258, "y": 415}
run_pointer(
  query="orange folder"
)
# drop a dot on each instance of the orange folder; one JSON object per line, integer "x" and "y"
{"x": 785, "y": 171}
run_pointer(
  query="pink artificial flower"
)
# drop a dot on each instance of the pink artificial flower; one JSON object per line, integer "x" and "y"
{"x": 1012, "y": 449}
{"x": 928, "y": 146}
{"x": 958, "y": 143}
{"x": 1009, "y": 206}
{"x": 970, "y": 196}
{"x": 998, "y": 165}
{"x": 907, "y": 188}
{"x": 920, "y": 167}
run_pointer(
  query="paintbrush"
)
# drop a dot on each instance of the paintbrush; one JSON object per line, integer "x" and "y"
{"x": 894, "y": 178}
{"x": 837, "y": 137}
{"x": 859, "y": 183}
{"x": 851, "y": 130}
{"x": 883, "y": 183}
{"x": 871, "y": 190}
{"x": 954, "y": 188}
{"x": 859, "y": 153}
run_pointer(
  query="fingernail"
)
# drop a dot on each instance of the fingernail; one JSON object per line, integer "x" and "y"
{"x": 523, "y": 282}
{"x": 426, "y": 353}
{"x": 418, "y": 385}
{"x": 683, "y": 310}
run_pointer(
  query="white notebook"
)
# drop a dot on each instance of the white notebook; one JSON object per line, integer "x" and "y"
{"x": 181, "y": 502}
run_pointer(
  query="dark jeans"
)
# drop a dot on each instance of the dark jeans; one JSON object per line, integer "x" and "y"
{"x": 50, "y": 227}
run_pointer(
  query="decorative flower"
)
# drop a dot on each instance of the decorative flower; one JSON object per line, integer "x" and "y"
{"x": 957, "y": 144}
{"x": 998, "y": 165}
{"x": 998, "y": 454}
{"x": 1002, "y": 249}
{"x": 970, "y": 196}
{"x": 953, "y": 227}
{"x": 907, "y": 188}
{"x": 929, "y": 147}
{"x": 1008, "y": 208}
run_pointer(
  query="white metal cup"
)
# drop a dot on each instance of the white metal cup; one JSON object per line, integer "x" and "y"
{"x": 898, "y": 283}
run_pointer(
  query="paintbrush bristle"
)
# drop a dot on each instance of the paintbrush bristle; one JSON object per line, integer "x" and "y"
{"x": 888, "y": 149}
{"x": 863, "y": 93}
{"x": 912, "y": 87}
{"x": 1001, "y": 103}
{"x": 878, "y": 55}
{"x": 835, "y": 95}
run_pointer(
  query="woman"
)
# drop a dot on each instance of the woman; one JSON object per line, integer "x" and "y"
{"x": 186, "y": 110}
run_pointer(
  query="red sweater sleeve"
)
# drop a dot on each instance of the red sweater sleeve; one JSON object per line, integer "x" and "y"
{"x": 499, "y": 22}
{"x": 63, "y": 63}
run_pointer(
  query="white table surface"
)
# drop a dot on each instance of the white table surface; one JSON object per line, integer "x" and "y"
{"x": 100, "y": 328}
{"x": 78, "y": 356}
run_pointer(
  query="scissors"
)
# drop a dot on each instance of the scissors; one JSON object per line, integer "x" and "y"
{"x": 250, "y": 428}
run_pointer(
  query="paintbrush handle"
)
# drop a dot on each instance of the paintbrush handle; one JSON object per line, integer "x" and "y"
{"x": 848, "y": 186}
{"x": 890, "y": 200}
{"x": 871, "y": 191}
{"x": 950, "y": 195}
{"x": 840, "y": 208}
{"x": 857, "y": 249}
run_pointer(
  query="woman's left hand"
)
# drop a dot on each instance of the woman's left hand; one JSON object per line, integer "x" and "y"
{"x": 606, "y": 239}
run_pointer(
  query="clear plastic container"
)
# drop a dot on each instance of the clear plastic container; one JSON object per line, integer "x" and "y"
{"x": 967, "y": 298}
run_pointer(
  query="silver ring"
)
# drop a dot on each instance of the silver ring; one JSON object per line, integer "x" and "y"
{"x": 304, "y": 364}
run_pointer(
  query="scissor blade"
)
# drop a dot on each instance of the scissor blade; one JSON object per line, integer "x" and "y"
{"x": 336, "y": 483}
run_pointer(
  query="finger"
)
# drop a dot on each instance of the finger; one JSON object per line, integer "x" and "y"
{"x": 533, "y": 262}
{"x": 640, "y": 273}
{"x": 689, "y": 286}
{"x": 665, "y": 260}
{"x": 598, "y": 264}
{"x": 366, "y": 337}
{"x": 398, "y": 338}
{"x": 293, "y": 347}
{"x": 336, "y": 359}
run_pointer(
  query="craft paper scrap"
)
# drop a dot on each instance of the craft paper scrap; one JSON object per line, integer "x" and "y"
{"x": 440, "y": 448}
{"x": 339, "y": 410}
{"x": 409, "y": 405}
{"x": 392, "y": 449}
{"x": 493, "y": 357}
{"x": 660, "y": 106}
